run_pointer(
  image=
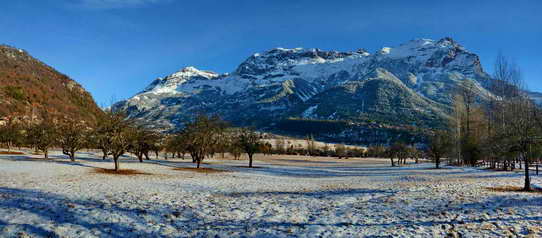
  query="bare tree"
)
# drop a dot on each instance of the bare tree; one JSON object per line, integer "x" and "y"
{"x": 100, "y": 137}
{"x": 113, "y": 135}
{"x": 10, "y": 133}
{"x": 43, "y": 135}
{"x": 249, "y": 140}
{"x": 400, "y": 151}
{"x": 439, "y": 147}
{"x": 72, "y": 137}
{"x": 142, "y": 142}
{"x": 522, "y": 132}
{"x": 201, "y": 135}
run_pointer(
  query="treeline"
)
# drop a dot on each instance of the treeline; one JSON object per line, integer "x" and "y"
{"x": 286, "y": 147}
{"x": 502, "y": 131}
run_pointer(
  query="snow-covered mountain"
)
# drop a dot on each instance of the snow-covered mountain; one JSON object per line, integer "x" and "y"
{"x": 407, "y": 85}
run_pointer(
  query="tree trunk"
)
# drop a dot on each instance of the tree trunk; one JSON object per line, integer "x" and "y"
{"x": 116, "y": 160}
{"x": 46, "y": 151}
{"x": 250, "y": 160}
{"x": 527, "y": 186}
{"x": 437, "y": 163}
{"x": 140, "y": 157}
{"x": 72, "y": 156}
{"x": 392, "y": 162}
{"x": 198, "y": 163}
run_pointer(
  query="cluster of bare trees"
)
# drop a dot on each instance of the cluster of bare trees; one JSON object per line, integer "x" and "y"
{"x": 399, "y": 151}
{"x": 207, "y": 136}
{"x": 115, "y": 136}
{"x": 501, "y": 131}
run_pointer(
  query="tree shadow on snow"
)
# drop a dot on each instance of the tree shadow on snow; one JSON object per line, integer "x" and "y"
{"x": 70, "y": 212}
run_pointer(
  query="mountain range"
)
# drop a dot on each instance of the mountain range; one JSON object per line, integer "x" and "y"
{"x": 348, "y": 96}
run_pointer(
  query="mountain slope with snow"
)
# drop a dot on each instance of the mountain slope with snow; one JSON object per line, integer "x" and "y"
{"x": 410, "y": 85}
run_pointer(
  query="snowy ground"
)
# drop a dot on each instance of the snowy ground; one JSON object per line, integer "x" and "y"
{"x": 286, "y": 196}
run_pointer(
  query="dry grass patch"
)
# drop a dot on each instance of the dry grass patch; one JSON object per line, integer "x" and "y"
{"x": 246, "y": 167}
{"x": 513, "y": 189}
{"x": 11, "y": 153}
{"x": 202, "y": 170}
{"x": 120, "y": 171}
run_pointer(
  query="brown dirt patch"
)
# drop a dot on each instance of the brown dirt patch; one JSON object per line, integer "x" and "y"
{"x": 11, "y": 153}
{"x": 202, "y": 170}
{"x": 513, "y": 189}
{"x": 120, "y": 171}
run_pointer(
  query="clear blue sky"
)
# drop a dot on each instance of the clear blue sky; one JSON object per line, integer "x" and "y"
{"x": 115, "y": 48}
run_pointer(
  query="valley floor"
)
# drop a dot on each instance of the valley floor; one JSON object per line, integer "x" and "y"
{"x": 285, "y": 196}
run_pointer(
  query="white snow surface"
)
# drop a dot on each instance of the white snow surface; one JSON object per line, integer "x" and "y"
{"x": 285, "y": 196}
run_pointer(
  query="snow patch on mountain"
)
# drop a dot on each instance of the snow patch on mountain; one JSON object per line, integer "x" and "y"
{"x": 310, "y": 112}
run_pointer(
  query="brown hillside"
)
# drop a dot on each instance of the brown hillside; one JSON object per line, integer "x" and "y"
{"x": 29, "y": 86}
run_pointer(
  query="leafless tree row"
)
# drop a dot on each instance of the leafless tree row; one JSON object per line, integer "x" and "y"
{"x": 115, "y": 136}
{"x": 502, "y": 131}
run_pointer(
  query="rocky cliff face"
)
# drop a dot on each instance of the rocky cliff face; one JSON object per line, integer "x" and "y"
{"x": 28, "y": 86}
{"x": 408, "y": 86}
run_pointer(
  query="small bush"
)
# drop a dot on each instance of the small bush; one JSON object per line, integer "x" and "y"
{"x": 16, "y": 93}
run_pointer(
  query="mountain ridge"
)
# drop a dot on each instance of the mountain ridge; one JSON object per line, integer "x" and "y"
{"x": 408, "y": 85}
{"x": 28, "y": 86}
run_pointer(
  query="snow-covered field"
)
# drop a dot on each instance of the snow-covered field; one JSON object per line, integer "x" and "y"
{"x": 286, "y": 196}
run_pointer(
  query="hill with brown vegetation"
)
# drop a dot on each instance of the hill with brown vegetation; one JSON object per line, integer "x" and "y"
{"x": 30, "y": 87}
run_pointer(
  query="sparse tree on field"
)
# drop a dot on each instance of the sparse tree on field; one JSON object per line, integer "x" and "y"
{"x": 10, "y": 133}
{"x": 72, "y": 137}
{"x": 43, "y": 135}
{"x": 523, "y": 132}
{"x": 201, "y": 135}
{"x": 113, "y": 133}
{"x": 158, "y": 145}
{"x": 415, "y": 154}
{"x": 236, "y": 150}
{"x": 100, "y": 137}
{"x": 249, "y": 141}
{"x": 142, "y": 142}
{"x": 400, "y": 151}
{"x": 439, "y": 145}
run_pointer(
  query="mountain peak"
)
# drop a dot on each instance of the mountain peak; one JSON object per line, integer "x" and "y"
{"x": 191, "y": 71}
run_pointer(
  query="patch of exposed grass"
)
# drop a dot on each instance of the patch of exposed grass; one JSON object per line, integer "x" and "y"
{"x": 11, "y": 153}
{"x": 513, "y": 189}
{"x": 120, "y": 171}
{"x": 202, "y": 170}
